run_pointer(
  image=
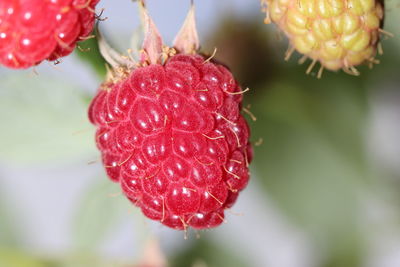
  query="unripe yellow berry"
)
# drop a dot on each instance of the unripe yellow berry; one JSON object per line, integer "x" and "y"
{"x": 340, "y": 34}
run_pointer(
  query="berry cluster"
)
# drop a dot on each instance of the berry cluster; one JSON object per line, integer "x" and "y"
{"x": 172, "y": 135}
{"x": 35, "y": 30}
{"x": 340, "y": 34}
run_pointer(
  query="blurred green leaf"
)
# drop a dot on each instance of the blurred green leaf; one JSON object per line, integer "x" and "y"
{"x": 98, "y": 212}
{"x": 43, "y": 119}
{"x": 89, "y": 52}
{"x": 392, "y": 21}
{"x": 203, "y": 252}
{"x": 18, "y": 258}
{"x": 84, "y": 260}
{"x": 12, "y": 258}
{"x": 8, "y": 232}
{"x": 313, "y": 162}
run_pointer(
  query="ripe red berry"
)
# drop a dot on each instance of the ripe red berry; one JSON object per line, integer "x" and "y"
{"x": 172, "y": 135}
{"x": 35, "y": 30}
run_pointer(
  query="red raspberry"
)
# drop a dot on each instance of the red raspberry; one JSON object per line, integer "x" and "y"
{"x": 173, "y": 137}
{"x": 34, "y": 30}
{"x": 171, "y": 132}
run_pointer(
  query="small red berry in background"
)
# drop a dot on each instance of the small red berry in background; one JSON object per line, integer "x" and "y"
{"x": 170, "y": 131}
{"x": 35, "y": 30}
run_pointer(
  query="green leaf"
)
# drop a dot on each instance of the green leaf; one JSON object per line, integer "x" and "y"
{"x": 43, "y": 120}
{"x": 312, "y": 161}
{"x": 102, "y": 207}
{"x": 204, "y": 252}
{"x": 89, "y": 52}
{"x": 9, "y": 232}
{"x": 12, "y": 258}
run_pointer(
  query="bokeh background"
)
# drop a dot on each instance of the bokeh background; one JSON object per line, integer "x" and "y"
{"x": 325, "y": 186}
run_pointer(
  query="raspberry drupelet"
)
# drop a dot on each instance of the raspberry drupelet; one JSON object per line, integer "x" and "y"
{"x": 35, "y": 30}
{"x": 171, "y": 133}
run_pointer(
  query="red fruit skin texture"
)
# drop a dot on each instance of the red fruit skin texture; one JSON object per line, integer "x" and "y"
{"x": 172, "y": 135}
{"x": 35, "y": 30}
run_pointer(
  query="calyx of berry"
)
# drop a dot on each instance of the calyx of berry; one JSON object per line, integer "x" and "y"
{"x": 187, "y": 40}
{"x": 153, "y": 49}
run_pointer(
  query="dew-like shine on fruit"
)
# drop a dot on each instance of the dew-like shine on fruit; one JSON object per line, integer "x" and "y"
{"x": 172, "y": 135}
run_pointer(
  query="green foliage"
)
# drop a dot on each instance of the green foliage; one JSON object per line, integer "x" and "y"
{"x": 97, "y": 213}
{"x": 89, "y": 52}
{"x": 8, "y": 233}
{"x": 313, "y": 159}
{"x": 12, "y": 258}
{"x": 205, "y": 253}
{"x": 43, "y": 120}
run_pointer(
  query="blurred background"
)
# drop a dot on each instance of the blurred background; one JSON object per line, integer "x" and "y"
{"x": 325, "y": 181}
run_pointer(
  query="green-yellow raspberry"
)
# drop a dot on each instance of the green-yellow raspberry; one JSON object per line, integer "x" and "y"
{"x": 340, "y": 34}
